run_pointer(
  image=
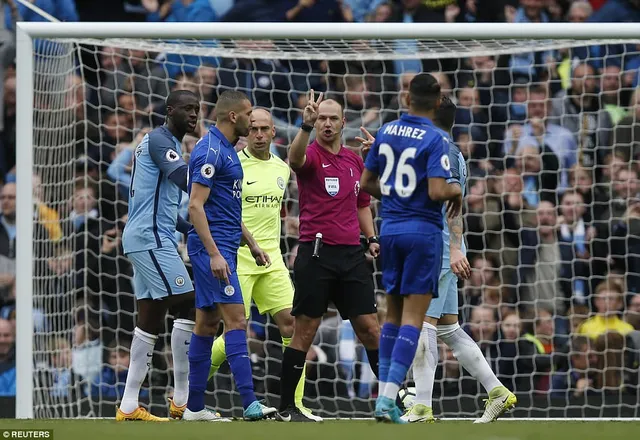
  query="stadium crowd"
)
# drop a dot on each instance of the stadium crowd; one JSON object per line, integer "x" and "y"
{"x": 552, "y": 213}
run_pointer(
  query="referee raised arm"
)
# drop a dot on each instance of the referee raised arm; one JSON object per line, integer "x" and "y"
{"x": 333, "y": 267}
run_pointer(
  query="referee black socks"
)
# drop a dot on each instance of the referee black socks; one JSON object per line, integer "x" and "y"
{"x": 372, "y": 355}
{"x": 292, "y": 364}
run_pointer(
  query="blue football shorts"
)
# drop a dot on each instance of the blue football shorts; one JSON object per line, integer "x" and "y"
{"x": 209, "y": 289}
{"x": 411, "y": 263}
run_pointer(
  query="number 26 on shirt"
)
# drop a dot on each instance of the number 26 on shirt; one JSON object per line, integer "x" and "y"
{"x": 404, "y": 172}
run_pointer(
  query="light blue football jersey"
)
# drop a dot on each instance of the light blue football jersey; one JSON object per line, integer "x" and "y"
{"x": 153, "y": 197}
{"x": 459, "y": 176}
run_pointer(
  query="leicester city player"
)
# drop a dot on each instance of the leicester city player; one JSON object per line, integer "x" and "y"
{"x": 158, "y": 177}
{"x": 411, "y": 160}
{"x": 441, "y": 320}
{"x": 270, "y": 287}
{"x": 215, "y": 209}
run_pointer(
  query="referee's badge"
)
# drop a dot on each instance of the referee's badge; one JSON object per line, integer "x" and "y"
{"x": 280, "y": 182}
{"x": 332, "y": 185}
{"x": 229, "y": 290}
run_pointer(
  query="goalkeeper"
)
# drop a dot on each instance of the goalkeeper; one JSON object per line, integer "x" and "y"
{"x": 263, "y": 188}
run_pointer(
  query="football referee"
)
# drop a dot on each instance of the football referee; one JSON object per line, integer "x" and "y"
{"x": 330, "y": 265}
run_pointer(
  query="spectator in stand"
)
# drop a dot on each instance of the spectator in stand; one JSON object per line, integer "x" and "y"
{"x": 515, "y": 365}
{"x": 574, "y": 236}
{"x": 483, "y": 328}
{"x": 360, "y": 110}
{"x": 182, "y": 11}
{"x": 64, "y": 10}
{"x": 7, "y": 238}
{"x": 326, "y": 11}
{"x": 579, "y": 376}
{"x": 579, "y": 110}
{"x": 483, "y": 221}
{"x": 361, "y": 10}
{"x": 627, "y": 132}
{"x": 632, "y": 316}
{"x": 8, "y": 134}
{"x": 542, "y": 132}
{"x": 611, "y": 94}
{"x": 595, "y": 197}
{"x": 608, "y": 305}
{"x": 539, "y": 173}
{"x": 531, "y": 65}
{"x": 58, "y": 376}
{"x": 7, "y": 359}
{"x": 540, "y": 268}
{"x": 547, "y": 354}
{"x": 135, "y": 72}
{"x": 615, "y": 243}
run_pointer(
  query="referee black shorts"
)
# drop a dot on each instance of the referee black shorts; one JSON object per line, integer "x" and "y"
{"x": 340, "y": 275}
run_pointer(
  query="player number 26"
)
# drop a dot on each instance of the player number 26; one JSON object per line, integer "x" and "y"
{"x": 405, "y": 175}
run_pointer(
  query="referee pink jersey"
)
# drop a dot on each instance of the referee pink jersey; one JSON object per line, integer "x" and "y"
{"x": 329, "y": 195}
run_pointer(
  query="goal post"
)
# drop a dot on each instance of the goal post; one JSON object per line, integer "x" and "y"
{"x": 290, "y": 41}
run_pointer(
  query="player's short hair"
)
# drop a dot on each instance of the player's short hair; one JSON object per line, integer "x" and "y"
{"x": 446, "y": 114}
{"x": 424, "y": 92}
{"x": 229, "y": 101}
{"x": 177, "y": 96}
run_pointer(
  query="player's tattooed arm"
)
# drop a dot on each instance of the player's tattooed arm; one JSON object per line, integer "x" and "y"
{"x": 459, "y": 263}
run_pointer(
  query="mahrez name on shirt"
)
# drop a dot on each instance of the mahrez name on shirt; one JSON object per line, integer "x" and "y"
{"x": 405, "y": 131}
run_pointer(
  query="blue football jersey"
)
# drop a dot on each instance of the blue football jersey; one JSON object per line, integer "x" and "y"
{"x": 214, "y": 163}
{"x": 153, "y": 197}
{"x": 459, "y": 176}
{"x": 406, "y": 153}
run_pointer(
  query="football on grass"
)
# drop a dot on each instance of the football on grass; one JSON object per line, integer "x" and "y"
{"x": 406, "y": 396}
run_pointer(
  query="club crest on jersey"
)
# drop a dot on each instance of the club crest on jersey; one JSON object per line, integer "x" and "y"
{"x": 356, "y": 188}
{"x": 179, "y": 281}
{"x": 171, "y": 156}
{"x": 280, "y": 182}
{"x": 229, "y": 290}
{"x": 207, "y": 171}
{"x": 444, "y": 161}
{"x": 332, "y": 185}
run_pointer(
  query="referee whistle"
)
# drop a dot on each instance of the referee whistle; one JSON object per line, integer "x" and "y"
{"x": 317, "y": 244}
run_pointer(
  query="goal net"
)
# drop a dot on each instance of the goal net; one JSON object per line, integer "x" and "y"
{"x": 551, "y": 132}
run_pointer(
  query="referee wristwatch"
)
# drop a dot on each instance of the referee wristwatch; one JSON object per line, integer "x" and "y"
{"x": 306, "y": 127}
{"x": 373, "y": 239}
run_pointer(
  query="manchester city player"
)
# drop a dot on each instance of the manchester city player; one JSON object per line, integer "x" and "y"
{"x": 158, "y": 177}
{"x": 215, "y": 209}
{"x": 407, "y": 169}
{"x": 441, "y": 320}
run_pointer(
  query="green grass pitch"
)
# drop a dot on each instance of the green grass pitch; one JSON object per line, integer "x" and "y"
{"x": 329, "y": 430}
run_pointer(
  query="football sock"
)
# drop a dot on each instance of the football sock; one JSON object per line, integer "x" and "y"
{"x": 238, "y": 356}
{"x": 424, "y": 365}
{"x": 299, "y": 393}
{"x": 180, "y": 340}
{"x": 293, "y": 362}
{"x": 469, "y": 355}
{"x": 388, "y": 337}
{"x": 218, "y": 355}
{"x": 199, "y": 361}
{"x": 372, "y": 356}
{"x": 402, "y": 356}
{"x": 140, "y": 354}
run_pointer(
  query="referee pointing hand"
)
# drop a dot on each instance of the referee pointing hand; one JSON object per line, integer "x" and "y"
{"x": 331, "y": 204}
